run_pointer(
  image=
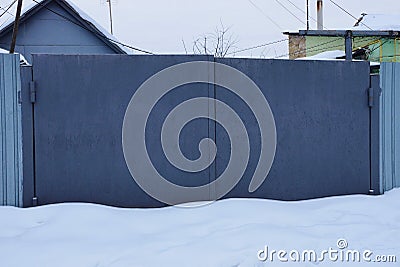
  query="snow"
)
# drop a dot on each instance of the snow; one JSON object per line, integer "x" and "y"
{"x": 333, "y": 55}
{"x": 89, "y": 19}
{"x": 327, "y": 55}
{"x": 225, "y": 233}
{"x": 380, "y": 22}
{"x": 22, "y": 59}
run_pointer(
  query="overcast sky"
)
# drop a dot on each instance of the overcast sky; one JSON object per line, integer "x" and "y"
{"x": 160, "y": 26}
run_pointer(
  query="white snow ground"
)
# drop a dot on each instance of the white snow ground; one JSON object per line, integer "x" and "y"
{"x": 227, "y": 233}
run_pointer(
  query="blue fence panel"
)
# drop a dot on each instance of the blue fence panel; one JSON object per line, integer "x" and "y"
{"x": 390, "y": 126}
{"x": 10, "y": 132}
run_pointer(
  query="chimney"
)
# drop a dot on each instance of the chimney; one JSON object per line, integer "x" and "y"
{"x": 320, "y": 15}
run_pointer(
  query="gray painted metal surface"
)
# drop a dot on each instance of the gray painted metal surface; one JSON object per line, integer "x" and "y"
{"x": 390, "y": 126}
{"x": 46, "y": 32}
{"x": 321, "y": 111}
{"x": 322, "y": 119}
{"x": 10, "y": 132}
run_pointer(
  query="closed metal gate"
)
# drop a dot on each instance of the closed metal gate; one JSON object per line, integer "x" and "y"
{"x": 320, "y": 109}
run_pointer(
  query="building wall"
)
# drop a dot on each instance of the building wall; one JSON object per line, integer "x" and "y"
{"x": 297, "y": 46}
{"x": 46, "y": 32}
{"x": 383, "y": 49}
{"x": 386, "y": 50}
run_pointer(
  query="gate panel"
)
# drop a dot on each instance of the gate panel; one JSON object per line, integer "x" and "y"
{"x": 81, "y": 103}
{"x": 322, "y": 121}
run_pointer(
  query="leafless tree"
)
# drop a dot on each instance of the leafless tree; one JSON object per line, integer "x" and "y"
{"x": 220, "y": 43}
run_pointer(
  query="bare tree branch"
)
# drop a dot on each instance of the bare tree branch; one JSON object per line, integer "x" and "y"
{"x": 218, "y": 44}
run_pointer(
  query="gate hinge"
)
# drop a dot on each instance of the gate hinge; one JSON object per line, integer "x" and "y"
{"x": 370, "y": 97}
{"x": 32, "y": 92}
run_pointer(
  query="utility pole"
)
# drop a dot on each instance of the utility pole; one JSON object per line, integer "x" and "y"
{"x": 308, "y": 14}
{"x": 111, "y": 19}
{"x": 16, "y": 25}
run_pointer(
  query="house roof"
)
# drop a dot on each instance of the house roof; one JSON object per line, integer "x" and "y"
{"x": 381, "y": 25}
{"x": 87, "y": 22}
{"x": 343, "y": 33}
{"x": 335, "y": 55}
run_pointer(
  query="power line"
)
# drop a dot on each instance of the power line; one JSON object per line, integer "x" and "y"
{"x": 379, "y": 57}
{"x": 315, "y": 48}
{"x": 290, "y": 12}
{"x": 8, "y": 8}
{"x": 265, "y": 14}
{"x": 348, "y": 13}
{"x": 387, "y": 40}
{"x": 257, "y": 46}
{"x": 340, "y": 45}
{"x": 92, "y": 31}
{"x": 305, "y": 13}
{"x": 305, "y": 50}
{"x": 298, "y": 8}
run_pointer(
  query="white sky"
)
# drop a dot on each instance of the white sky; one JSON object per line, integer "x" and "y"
{"x": 159, "y": 26}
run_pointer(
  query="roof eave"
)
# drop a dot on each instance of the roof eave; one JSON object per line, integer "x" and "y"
{"x": 355, "y": 33}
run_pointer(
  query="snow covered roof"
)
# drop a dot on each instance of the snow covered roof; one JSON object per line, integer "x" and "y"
{"x": 328, "y": 55}
{"x": 91, "y": 24}
{"x": 22, "y": 59}
{"x": 332, "y": 55}
{"x": 379, "y": 22}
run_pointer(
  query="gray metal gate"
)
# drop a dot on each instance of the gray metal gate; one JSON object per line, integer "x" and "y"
{"x": 74, "y": 131}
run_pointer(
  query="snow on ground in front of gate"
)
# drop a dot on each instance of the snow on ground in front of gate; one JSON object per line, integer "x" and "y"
{"x": 227, "y": 233}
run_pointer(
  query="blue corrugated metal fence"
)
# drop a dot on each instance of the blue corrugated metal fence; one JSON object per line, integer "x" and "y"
{"x": 390, "y": 126}
{"x": 10, "y": 132}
